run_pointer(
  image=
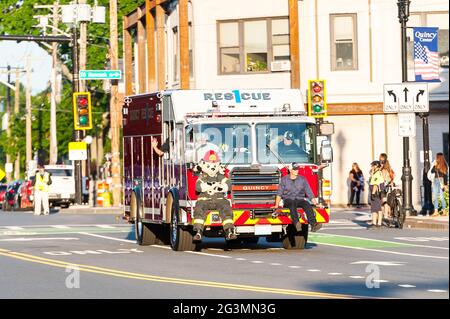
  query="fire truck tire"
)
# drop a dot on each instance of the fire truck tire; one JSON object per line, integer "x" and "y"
{"x": 145, "y": 233}
{"x": 294, "y": 240}
{"x": 181, "y": 239}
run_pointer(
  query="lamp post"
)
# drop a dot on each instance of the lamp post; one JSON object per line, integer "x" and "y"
{"x": 403, "y": 15}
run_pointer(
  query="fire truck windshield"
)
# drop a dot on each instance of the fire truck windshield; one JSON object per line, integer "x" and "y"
{"x": 285, "y": 143}
{"x": 232, "y": 142}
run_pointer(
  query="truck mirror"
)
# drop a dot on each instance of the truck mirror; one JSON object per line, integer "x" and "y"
{"x": 326, "y": 152}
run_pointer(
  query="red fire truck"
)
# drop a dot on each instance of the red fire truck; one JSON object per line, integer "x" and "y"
{"x": 249, "y": 129}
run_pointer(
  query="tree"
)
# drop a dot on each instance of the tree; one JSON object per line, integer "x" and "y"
{"x": 19, "y": 21}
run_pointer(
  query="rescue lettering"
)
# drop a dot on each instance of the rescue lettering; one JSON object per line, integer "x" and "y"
{"x": 238, "y": 96}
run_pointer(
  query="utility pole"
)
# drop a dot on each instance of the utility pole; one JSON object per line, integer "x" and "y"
{"x": 114, "y": 107}
{"x": 8, "y": 112}
{"x": 403, "y": 16}
{"x": 16, "y": 111}
{"x": 28, "y": 153}
{"x": 53, "y": 158}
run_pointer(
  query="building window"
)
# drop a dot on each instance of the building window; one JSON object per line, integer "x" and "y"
{"x": 229, "y": 48}
{"x": 176, "y": 65}
{"x": 344, "y": 53}
{"x": 280, "y": 40}
{"x": 431, "y": 19}
{"x": 240, "y": 51}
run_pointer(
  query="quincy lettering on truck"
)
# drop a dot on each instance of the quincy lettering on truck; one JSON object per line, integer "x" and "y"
{"x": 237, "y": 96}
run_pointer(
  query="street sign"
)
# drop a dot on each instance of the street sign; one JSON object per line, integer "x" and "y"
{"x": 77, "y": 151}
{"x": 407, "y": 124}
{"x": 406, "y": 98}
{"x": 100, "y": 74}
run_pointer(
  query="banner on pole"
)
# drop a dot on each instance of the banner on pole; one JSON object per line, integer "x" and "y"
{"x": 426, "y": 54}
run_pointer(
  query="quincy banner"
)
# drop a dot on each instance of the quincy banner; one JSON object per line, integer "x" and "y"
{"x": 426, "y": 54}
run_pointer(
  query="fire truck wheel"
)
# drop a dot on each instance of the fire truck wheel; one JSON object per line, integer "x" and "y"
{"x": 295, "y": 240}
{"x": 181, "y": 239}
{"x": 145, "y": 233}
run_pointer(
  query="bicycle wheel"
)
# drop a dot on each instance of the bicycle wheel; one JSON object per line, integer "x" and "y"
{"x": 400, "y": 215}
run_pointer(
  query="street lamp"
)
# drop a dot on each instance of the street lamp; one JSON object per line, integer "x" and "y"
{"x": 403, "y": 15}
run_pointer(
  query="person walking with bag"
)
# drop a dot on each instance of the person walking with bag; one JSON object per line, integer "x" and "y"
{"x": 356, "y": 177}
{"x": 41, "y": 183}
{"x": 438, "y": 175}
{"x": 376, "y": 187}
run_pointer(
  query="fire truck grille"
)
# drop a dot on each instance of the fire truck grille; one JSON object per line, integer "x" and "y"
{"x": 254, "y": 185}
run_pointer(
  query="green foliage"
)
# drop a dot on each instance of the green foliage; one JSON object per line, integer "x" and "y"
{"x": 20, "y": 21}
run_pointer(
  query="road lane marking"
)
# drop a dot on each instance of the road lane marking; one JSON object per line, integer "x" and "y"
{"x": 407, "y": 286}
{"x": 206, "y": 254}
{"x": 240, "y": 259}
{"x": 436, "y": 290}
{"x": 387, "y": 251}
{"x": 380, "y": 280}
{"x": 379, "y": 263}
{"x": 295, "y": 267}
{"x": 314, "y": 270}
{"x": 180, "y": 281}
{"x": 105, "y": 226}
{"x": 356, "y": 277}
{"x": 60, "y": 226}
{"x": 275, "y": 264}
{"x": 257, "y": 261}
{"x": 14, "y": 228}
{"x": 110, "y": 238}
{"x": 38, "y": 238}
{"x": 335, "y": 273}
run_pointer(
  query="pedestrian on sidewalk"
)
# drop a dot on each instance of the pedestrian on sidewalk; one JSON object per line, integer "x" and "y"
{"x": 438, "y": 175}
{"x": 376, "y": 187}
{"x": 356, "y": 177}
{"x": 41, "y": 183}
{"x": 388, "y": 176}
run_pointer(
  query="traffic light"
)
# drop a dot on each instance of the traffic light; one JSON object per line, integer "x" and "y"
{"x": 317, "y": 105}
{"x": 82, "y": 114}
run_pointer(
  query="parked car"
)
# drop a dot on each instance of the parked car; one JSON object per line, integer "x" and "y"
{"x": 2, "y": 193}
{"x": 10, "y": 196}
{"x": 25, "y": 196}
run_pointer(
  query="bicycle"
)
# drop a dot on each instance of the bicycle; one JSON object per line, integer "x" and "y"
{"x": 395, "y": 202}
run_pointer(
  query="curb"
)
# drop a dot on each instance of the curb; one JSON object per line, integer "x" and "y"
{"x": 425, "y": 224}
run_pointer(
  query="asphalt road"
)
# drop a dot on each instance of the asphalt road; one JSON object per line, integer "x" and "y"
{"x": 94, "y": 256}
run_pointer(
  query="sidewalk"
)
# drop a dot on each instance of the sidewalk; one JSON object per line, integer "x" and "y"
{"x": 420, "y": 221}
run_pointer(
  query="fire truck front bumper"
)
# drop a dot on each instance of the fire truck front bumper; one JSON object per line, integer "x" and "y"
{"x": 265, "y": 222}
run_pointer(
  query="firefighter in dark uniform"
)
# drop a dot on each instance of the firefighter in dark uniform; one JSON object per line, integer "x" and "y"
{"x": 213, "y": 187}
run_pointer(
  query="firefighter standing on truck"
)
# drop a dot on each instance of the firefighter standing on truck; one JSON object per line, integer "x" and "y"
{"x": 213, "y": 187}
{"x": 41, "y": 184}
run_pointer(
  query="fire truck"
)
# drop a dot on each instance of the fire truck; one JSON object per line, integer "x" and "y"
{"x": 247, "y": 129}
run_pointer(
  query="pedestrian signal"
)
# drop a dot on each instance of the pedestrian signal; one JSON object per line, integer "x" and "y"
{"x": 317, "y": 105}
{"x": 82, "y": 114}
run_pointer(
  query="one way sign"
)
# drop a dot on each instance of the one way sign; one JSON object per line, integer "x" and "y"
{"x": 406, "y": 98}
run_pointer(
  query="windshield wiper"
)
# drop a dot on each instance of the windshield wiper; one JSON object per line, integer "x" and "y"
{"x": 270, "y": 149}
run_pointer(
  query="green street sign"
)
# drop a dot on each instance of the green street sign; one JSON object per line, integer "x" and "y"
{"x": 100, "y": 75}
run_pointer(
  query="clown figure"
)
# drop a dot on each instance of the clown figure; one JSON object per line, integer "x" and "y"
{"x": 213, "y": 187}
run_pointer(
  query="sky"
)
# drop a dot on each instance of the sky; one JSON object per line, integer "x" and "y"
{"x": 15, "y": 54}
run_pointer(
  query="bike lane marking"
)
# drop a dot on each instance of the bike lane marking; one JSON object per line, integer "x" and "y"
{"x": 354, "y": 241}
{"x": 58, "y": 231}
